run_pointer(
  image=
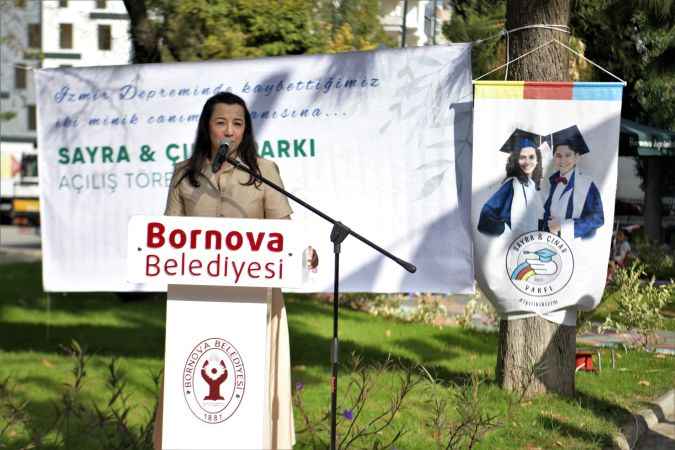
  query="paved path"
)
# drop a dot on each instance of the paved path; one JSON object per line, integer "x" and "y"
{"x": 660, "y": 437}
{"x": 664, "y": 343}
{"x": 19, "y": 245}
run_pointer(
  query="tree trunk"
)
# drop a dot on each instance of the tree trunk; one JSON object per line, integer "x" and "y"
{"x": 652, "y": 212}
{"x": 144, "y": 37}
{"x": 537, "y": 356}
{"x": 550, "y": 63}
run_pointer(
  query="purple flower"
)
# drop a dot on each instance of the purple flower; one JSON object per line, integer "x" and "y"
{"x": 299, "y": 386}
{"x": 347, "y": 414}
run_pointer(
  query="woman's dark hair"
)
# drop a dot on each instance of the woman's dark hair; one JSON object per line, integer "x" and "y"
{"x": 201, "y": 151}
{"x": 513, "y": 168}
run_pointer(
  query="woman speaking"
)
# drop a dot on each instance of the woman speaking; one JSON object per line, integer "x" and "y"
{"x": 196, "y": 190}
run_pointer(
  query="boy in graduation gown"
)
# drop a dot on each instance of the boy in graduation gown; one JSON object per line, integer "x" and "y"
{"x": 516, "y": 204}
{"x": 573, "y": 208}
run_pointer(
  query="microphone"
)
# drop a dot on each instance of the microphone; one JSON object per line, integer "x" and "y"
{"x": 221, "y": 154}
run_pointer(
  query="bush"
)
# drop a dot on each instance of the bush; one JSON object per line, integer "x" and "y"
{"x": 428, "y": 308}
{"x": 657, "y": 260}
{"x": 478, "y": 305}
{"x": 638, "y": 304}
{"x": 458, "y": 416}
{"x": 74, "y": 415}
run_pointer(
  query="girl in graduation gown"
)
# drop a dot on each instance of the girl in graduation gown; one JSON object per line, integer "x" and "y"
{"x": 516, "y": 204}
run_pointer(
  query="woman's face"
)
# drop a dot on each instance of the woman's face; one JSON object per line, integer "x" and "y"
{"x": 527, "y": 160}
{"x": 565, "y": 158}
{"x": 227, "y": 121}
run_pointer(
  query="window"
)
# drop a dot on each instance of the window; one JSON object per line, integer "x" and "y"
{"x": 29, "y": 166}
{"x": 66, "y": 35}
{"x": 32, "y": 117}
{"x": 104, "y": 37}
{"x": 63, "y": 3}
{"x": 34, "y": 35}
{"x": 19, "y": 77}
{"x": 100, "y": 4}
{"x": 20, "y": 3}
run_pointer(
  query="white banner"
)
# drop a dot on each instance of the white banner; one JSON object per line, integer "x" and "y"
{"x": 544, "y": 182}
{"x": 373, "y": 139}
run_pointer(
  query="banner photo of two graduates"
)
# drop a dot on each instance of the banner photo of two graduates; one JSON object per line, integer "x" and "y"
{"x": 544, "y": 182}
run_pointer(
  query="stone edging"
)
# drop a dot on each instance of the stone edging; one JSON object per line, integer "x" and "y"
{"x": 9, "y": 252}
{"x": 643, "y": 420}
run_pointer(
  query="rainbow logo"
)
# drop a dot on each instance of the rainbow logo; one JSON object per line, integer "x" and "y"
{"x": 522, "y": 272}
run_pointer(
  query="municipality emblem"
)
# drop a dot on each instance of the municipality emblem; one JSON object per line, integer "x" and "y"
{"x": 539, "y": 263}
{"x": 214, "y": 380}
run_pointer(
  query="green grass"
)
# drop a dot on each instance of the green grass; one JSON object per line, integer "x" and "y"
{"x": 34, "y": 325}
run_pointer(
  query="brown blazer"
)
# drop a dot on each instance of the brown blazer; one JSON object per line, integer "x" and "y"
{"x": 224, "y": 195}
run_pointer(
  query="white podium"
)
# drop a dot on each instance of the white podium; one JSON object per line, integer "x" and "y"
{"x": 219, "y": 274}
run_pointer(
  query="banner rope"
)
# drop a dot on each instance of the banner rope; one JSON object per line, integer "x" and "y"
{"x": 552, "y": 41}
{"x": 506, "y": 64}
{"x": 547, "y": 26}
{"x": 596, "y": 65}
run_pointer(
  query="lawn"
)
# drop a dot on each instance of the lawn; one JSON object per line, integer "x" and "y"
{"x": 34, "y": 326}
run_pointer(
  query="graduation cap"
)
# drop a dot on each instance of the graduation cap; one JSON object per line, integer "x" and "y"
{"x": 545, "y": 255}
{"x": 571, "y": 137}
{"x": 520, "y": 139}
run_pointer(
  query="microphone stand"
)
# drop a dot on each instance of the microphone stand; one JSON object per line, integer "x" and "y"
{"x": 338, "y": 234}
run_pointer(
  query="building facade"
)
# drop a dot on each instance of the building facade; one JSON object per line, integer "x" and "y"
{"x": 43, "y": 34}
{"x": 423, "y": 27}
{"x": 57, "y": 33}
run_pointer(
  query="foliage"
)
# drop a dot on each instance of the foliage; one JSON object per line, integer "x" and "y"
{"x": 73, "y": 414}
{"x": 13, "y": 411}
{"x": 658, "y": 261}
{"x": 201, "y": 30}
{"x": 7, "y": 115}
{"x": 351, "y": 25}
{"x": 358, "y": 425}
{"x": 413, "y": 308}
{"x": 476, "y": 20}
{"x": 478, "y": 306}
{"x": 427, "y": 309}
{"x": 638, "y": 304}
{"x": 459, "y": 417}
{"x": 197, "y": 30}
{"x": 636, "y": 40}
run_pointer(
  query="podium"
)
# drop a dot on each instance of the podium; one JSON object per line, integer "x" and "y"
{"x": 220, "y": 274}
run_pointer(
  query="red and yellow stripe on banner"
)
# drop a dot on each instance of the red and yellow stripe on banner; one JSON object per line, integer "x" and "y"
{"x": 547, "y": 90}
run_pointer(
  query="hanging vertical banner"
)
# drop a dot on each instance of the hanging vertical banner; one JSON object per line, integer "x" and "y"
{"x": 544, "y": 180}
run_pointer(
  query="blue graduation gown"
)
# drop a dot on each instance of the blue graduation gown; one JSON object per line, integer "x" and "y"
{"x": 591, "y": 217}
{"x": 497, "y": 211}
